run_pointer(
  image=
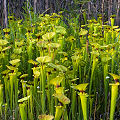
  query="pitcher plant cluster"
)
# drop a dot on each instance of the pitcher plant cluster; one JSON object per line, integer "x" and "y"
{"x": 53, "y": 70}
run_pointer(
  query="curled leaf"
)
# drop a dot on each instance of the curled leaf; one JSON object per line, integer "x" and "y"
{"x": 36, "y": 72}
{"x": 45, "y": 117}
{"x": 61, "y": 68}
{"x": 23, "y": 99}
{"x": 70, "y": 39}
{"x": 60, "y": 29}
{"x": 62, "y": 98}
{"x": 83, "y": 32}
{"x": 115, "y": 77}
{"x": 105, "y": 59}
{"x": 6, "y": 48}
{"x": 81, "y": 87}
{"x": 3, "y": 42}
{"x": 14, "y": 62}
{"x": 11, "y": 67}
{"x": 6, "y": 30}
{"x": 56, "y": 81}
{"x": 43, "y": 59}
{"x": 59, "y": 90}
{"x": 54, "y": 45}
{"x": 24, "y": 75}
{"x": 32, "y": 62}
{"x": 48, "y": 36}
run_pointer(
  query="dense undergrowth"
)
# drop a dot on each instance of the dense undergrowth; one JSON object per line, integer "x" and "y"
{"x": 50, "y": 70}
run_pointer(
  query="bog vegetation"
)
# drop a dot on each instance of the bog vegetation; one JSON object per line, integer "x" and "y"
{"x": 50, "y": 70}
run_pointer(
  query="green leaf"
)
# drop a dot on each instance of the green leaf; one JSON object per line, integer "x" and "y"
{"x": 42, "y": 44}
{"x": 24, "y": 99}
{"x": 114, "y": 27}
{"x": 1, "y": 95}
{"x": 11, "y": 67}
{"x": 64, "y": 53}
{"x": 36, "y": 72}
{"x": 45, "y": 117}
{"x": 43, "y": 59}
{"x": 60, "y": 29}
{"x": 18, "y": 50}
{"x": 24, "y": 75}
{"x": 115, "y": 77}
{"x": 96, "y": 45}
{"x": 0, "y": 66}
{"x": 95, "y": 53}
{"x": 112, "y": 16}
{"x": 48, "y": 36}
{"x": 83, "y": 32}
{"x": 6, "y": 30}
{"x": 105, "y": 59}
{"x": 80, "y": 87}
{"x": 52, "y": 65}
{"x": 54, "y": 45}
{"x": 3, "y": 42}
{"x": 32, "y": 62}
{"x": 117, "y": 29}
{"x": 62, "y": 68}
{"x": 70, "y": 39}
{"x": 5, "y": 71}
{"x": 62, "y": 98}
{"x": 58, "y": 67}
{"x": 14, "y": 62}
{"x": 114, "y": 84}
{"x": 56, "y": 81}
{"x": 6, "y": 48}
{"x": 21, "y": 43}
{"x": 59, "y": 90}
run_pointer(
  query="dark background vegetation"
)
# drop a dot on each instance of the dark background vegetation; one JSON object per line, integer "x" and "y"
{"x": 71, "y": 8}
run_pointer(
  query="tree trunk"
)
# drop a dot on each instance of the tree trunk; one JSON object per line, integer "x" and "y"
{"x": 102, "y": 10}
{"x": 114, "y": 6}
{"x": 89, "y": 9}
{"x": 5, "y": 13}
{"x": 35, "y": 9}
{"x": 46, "y": 4}
{"x": 52, "y": 6}
{"x": 96, "y": 9}
{"x": 109, "y": 10}
{"x": 39, "y": 6}
{"x": 118, "y": 12}
{"x": 1, "y": 13}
